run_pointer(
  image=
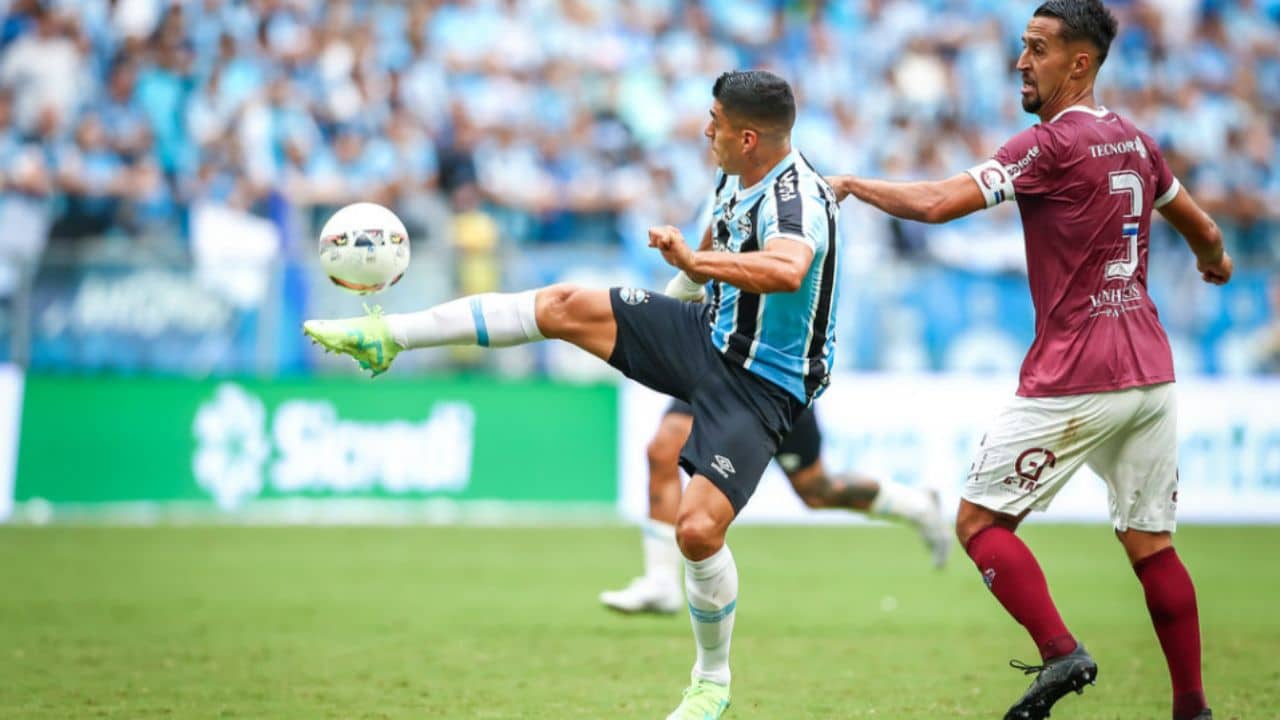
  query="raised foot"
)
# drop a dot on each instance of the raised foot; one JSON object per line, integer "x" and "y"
{"x": 366, "y": 339}
{"x": 645, "y": 596}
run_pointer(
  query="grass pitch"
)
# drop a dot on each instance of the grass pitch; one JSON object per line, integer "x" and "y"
{"x": 227, "y": 622}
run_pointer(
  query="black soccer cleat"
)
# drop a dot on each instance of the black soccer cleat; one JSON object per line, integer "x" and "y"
{"x": 1055, "y": 678}
{"x": 1205, "y": 714}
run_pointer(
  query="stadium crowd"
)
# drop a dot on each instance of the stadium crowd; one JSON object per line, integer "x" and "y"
{"x": 575, "y": 121}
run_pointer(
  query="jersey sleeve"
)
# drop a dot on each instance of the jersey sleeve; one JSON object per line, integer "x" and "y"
{"x": 1167, "y": 185}
{"x": 794, "y": 210}
{"x": 1021, "y": 166}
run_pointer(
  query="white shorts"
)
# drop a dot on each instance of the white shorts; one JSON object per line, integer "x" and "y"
{"x": 1128, "y": 437}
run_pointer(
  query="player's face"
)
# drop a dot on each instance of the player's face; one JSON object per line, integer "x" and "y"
{"x": 726, "y": 141}
{"x": 1044, "y": 63}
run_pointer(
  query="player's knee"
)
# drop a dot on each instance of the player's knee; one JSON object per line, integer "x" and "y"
{"x": 1140, "y": 545}
{"x": 698, "y": 535}
{"x": 970, "y": 521}
{"x": 554, "y": 309}
{"x": 663, "y": 453}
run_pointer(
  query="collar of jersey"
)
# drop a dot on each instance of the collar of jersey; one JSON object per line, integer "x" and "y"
{"x": 773, "y": 173}
{"x": 1099, "y": 113}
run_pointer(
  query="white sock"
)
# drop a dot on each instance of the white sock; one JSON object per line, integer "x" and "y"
{"x": 712, "y": 588}
{"x": 488, "y": 320}
{"x": 661, "y": 553}
{"x": 902, "y": 503}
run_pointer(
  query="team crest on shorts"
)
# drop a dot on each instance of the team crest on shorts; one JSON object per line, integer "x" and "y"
{"x": 633, "y": 296}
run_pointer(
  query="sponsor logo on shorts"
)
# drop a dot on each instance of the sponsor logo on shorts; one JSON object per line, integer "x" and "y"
{"x": 1028, "y": 468}
{"x": 633, "y": 296}
{"x": 723, "y": 466}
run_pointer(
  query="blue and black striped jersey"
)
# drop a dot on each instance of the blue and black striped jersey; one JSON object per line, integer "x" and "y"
{"x": 786, "y": 338}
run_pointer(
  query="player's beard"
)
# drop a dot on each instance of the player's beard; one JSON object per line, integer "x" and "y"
{"x": 1032, "y": 102}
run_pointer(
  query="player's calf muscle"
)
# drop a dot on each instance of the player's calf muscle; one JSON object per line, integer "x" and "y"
{"x": 973, "y": 519}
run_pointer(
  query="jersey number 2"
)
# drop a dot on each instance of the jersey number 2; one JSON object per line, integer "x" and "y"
{"x": 1130, "y": 183}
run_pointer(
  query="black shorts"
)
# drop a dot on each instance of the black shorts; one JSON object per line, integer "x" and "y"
{"x": 739, "y": 418}
{"x": 801, "y": 447}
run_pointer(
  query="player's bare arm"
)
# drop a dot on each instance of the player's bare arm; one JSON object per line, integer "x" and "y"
{"x": 936, "y": 201}
{"x": 703, "y": 246}
{"x": 780, "y": 267}
{"x": 1202, "y": 236}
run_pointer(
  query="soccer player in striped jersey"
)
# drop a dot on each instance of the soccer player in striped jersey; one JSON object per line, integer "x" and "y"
{"x": 1097, "y": 383}
{"x": 748, "y": 362}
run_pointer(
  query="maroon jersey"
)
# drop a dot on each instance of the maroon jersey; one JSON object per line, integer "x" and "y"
{"x": 1086, "y": 183}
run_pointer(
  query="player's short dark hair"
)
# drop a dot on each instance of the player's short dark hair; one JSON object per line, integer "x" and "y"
{"x": 1083, "y": 20}
{"x": 758, "y": 97}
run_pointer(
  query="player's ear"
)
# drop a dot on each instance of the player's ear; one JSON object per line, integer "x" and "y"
{"x": 750, "y": 139}
{"x": 1082, "y": 65}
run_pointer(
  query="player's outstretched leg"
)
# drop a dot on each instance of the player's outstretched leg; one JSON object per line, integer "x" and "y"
{"x": 1171, "y": 601}
{"x": 581, "y": 316}
{"x": 1012, "y": 574}
{"x": 922, "y": 509}
{"x": 658, "y": 589}
{"x": 711, "y": 584}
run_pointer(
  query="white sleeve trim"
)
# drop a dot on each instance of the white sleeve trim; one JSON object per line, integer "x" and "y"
{"x": 1168, "y": 195}
{"x": 994, "y": 182}
{"x": 803, "y": 240}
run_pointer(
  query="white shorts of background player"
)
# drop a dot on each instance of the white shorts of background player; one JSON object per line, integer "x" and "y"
{"x": 1128, "y": 437}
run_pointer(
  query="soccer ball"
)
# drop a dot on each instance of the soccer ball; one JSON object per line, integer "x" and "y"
{"x": 364, "y": 248}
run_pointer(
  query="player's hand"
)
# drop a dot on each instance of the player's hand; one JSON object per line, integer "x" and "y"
{"x": 1218, "y": 272}
{"x": 837, "y": 183}
{"x": 671, "y": 244}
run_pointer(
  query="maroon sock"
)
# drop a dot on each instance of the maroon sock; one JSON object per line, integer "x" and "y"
{"x": 1015, "y": 578}
{"x": 1171, "y": 600}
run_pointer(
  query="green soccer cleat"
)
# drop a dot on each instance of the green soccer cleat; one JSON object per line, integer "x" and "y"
{"x": 703, "y": 700}
{"x": 367, "y": 339}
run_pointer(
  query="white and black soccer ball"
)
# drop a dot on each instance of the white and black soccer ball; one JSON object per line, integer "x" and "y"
{"x": 364, "y": 248}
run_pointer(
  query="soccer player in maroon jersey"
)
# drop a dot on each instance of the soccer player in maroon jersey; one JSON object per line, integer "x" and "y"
{"x": 1096, "y": 385}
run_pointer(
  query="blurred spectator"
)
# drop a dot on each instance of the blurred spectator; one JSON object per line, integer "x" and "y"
{"x": 1265, "y": 350}
{"x": 45, "y": 70}
{"x": 554, "y": 123}
{"x": 94, "y": 178}
{"x": 25, "y": 189}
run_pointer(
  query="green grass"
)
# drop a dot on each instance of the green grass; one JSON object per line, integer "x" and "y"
{"x": 226, "y": 622}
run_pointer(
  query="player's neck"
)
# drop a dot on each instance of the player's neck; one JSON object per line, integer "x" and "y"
{"x": 1083, "y": 97}
{"x": 760, "y": 165}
